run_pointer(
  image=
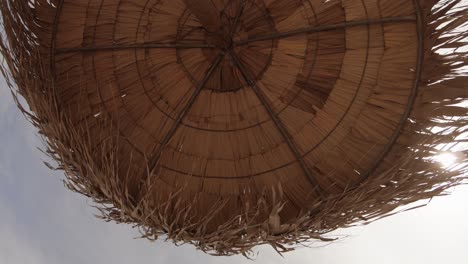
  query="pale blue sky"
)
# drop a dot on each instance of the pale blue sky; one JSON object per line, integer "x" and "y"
{"x": 41, "y": 222}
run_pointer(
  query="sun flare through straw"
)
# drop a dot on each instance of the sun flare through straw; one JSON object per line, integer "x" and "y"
{"x": 446, "y": 159}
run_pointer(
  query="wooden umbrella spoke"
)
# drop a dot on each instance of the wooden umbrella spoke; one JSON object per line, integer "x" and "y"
{"x": 312, "y": 29}
{"x": 412, "y": 98}
{"x": 278, "y": 123}
{"x": 206, "y": 12}
{"x": 155, "y": 159}
{"x": 138, "y": 46}
{"x": 235, "y": 25}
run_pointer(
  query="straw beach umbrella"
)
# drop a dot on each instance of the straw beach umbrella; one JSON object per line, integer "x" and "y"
{"x": 230, "y": 124}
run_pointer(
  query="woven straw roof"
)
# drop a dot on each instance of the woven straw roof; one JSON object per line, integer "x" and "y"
{"x": 229, "y": 124}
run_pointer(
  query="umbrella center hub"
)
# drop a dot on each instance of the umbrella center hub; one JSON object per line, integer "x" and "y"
{"x": 222, "y": 40}
{"x": 225, "y": 37}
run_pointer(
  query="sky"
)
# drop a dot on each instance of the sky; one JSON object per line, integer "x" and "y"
{"x": 42, "y": 222}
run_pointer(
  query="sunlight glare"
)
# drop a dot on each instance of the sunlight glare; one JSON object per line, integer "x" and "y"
{"x": 446, "y": 159}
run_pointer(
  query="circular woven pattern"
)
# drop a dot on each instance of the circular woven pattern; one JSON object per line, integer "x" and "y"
{"x": 285, "y": 92}
{"x": 251, "y": 113}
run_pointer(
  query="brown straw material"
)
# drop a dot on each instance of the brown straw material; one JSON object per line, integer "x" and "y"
{"x": 232, "y": 124}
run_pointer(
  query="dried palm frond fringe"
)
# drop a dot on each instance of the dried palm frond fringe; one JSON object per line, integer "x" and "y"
{"x": 414, "y": 176}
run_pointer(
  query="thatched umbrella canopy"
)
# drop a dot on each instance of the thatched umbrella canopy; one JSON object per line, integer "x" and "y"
{"x": 229, "y": 124}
